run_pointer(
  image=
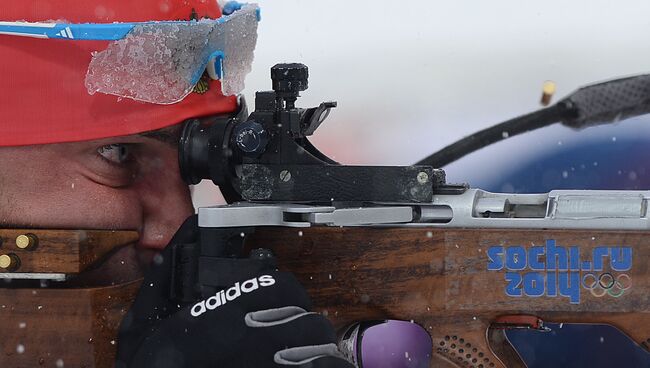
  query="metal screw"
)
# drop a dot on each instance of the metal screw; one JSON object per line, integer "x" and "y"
{"x": 26, "y": 241}
{"x": 423, "y": 177}
{"x": 9, "y": 262}
{"x": 285, "y": 175}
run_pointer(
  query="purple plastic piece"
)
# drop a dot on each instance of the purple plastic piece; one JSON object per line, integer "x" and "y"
{"x": 395, "y": 344}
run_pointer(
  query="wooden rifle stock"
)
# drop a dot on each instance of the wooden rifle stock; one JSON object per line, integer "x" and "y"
{"x": 59, "y": 326}
{"x": 439, "y": 278}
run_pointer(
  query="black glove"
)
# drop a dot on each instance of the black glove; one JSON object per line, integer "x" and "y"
{"x": 260, "y": 321}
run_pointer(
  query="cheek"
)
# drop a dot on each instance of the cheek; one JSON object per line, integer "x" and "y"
{"x": 92, "y": 205}
{"x": 64, "y": 200}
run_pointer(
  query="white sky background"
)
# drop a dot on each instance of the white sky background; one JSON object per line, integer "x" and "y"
{"x": 411, "y": 77}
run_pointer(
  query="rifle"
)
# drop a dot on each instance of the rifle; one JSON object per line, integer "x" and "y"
{"x": 368, "y": 242}
{"x": 389, "y": 242}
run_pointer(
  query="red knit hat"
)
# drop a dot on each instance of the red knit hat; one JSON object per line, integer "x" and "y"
{"x": 43, "y": 98}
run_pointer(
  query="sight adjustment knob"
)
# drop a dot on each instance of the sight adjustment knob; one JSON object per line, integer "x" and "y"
{"x": 290, "y": 78}
{"x": 251, "y": 137}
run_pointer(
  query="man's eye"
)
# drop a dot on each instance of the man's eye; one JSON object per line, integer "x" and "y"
{"x": 116, "y": 153}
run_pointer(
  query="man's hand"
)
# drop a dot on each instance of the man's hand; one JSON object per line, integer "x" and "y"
{"x": 262, "y": 320}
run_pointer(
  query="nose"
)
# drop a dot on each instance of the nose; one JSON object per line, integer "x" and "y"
{"x": 166, "y": 202}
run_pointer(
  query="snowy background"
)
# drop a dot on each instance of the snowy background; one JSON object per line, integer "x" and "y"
{"x": 412, "y": 77}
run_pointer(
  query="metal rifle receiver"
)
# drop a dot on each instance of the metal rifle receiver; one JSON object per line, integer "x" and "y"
{"x": 267, "y": 156}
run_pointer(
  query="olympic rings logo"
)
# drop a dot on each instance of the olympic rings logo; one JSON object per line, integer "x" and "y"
{"x": 606, "y": 283}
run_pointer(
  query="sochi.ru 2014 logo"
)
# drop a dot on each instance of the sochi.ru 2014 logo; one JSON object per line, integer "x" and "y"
{"x": 553, "y": 270}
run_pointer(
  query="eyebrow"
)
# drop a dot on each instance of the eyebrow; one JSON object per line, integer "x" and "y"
{"x": 169, "y": 136}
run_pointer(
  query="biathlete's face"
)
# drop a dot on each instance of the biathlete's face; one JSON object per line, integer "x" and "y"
{"x": 122, "y": 183}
